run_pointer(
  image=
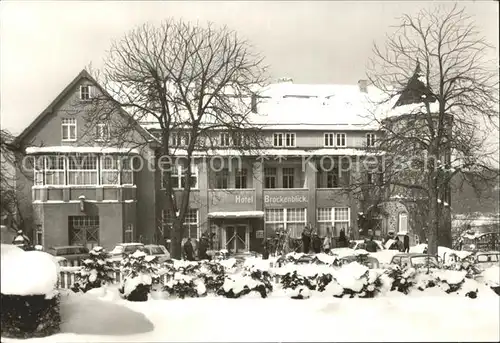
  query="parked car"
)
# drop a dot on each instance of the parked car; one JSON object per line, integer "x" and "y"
{"x": 370, "y": 261}
{"x": 486, "y": 259}
{"x": 360, "y": 244}
{"x": 69, "y": 254}
{"x": 159, "y": 251}
{"x": 124, "y": 248}
{"x": 416, "y": 260}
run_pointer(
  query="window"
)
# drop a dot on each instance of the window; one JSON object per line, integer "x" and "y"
{"x": 127, "y": 173}
{"x": 341, "y": 219}
{"x": 186, "y": 138}
{"x": 240, "y": 179}
{"x": 38, "y": 168}
{"x": 110, "y": 170}
{"x": 278, "y": 139}
{"x": 85, "y": 92}
{"x": 341, "y": 139}
{"x": 190, "y": 223}
{"x": 102, "y": 132}
{"x": 222, "y": 179}
{"x": 84, "y": 230}
{"x": 288, "y": 174}
{"x": 292, "y": 220}
{"x": 329, "y": 139}
{"x": 295, "y": 221}
{"x": 225, "y": 139}
{"x": 239, "y": 139}
{"x": 68, "y": 128}
{"x": 290, "y": 139}
{"x": 370, "y": 139}
{"x": 336, "y": 218}
{"x": 284, "y": 139}
{"x": 129, "y": 234}
{"x": 403, "y": 223}
{"x": 328, "y": 174}
{"x": 375, "y": 178}
{"x": 54, "y": 170}
{"x": 269, "y": 177}
{"x": 175, "y": 139}
{"x": 82, "y": 170}
{"x": 325, "y": 221}
{"x": 39, "y": 235}
{"x": 178, "y": 176}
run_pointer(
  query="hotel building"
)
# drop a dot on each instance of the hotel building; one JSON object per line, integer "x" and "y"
{"x": 86, "y": 191}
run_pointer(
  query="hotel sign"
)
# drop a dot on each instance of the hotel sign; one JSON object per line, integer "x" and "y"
{"x": 243, "y": 199}
{"x": 285, "y": 199}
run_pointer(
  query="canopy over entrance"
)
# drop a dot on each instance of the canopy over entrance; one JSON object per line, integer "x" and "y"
{"x": 237, "y": 214}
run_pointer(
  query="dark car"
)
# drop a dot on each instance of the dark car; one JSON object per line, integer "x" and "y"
{"x": 70, "y": 254}
{"x": 415, "y": 260}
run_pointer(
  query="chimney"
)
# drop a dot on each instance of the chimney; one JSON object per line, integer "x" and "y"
{"x": 363, "y": 86}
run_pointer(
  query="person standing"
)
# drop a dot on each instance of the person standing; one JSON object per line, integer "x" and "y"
{"x": 203, "y": 248}
{"x": 316, "y": 243}
{"x": 327, "y": 242}
{"x": 306, "y": 240}
{"x": 406, "y": 243}
{"x": 188, "y": 250}
{"x": 343, "y": 239}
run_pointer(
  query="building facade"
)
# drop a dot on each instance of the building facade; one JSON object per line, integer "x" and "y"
{"x": 87, "y": 187}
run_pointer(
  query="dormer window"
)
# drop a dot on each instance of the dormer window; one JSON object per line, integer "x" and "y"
{"x": 341, "y": 139}
{"x": 284, "y": 139}
{"x": 85, "y": 92}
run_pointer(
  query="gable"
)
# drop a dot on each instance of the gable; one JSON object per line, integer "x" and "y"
{"x": 46, "y": 130}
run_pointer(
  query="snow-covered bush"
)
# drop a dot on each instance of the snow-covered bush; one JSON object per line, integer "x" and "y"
{"x": 96, "y": 271}
{"x": 29, "y": 299}
{"x": 213, "y": 275}
{"x": 139, "y": 272}
{"x": 293, "y": 280}
{"x": 245, "y": 282}
{"x": 356, "y": 280}
{"x": 402, "y": 278}
{"x": 186, "y": 278}
{"x": 183, "y": 285}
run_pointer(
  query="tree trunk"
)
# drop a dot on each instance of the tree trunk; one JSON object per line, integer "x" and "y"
{"x": 432, "y": 235}
{"x": 176, "y": 241}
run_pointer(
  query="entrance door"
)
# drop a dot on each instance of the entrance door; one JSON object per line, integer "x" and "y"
{"x": 237, "y": 238}
{"x": 84, "y": 230}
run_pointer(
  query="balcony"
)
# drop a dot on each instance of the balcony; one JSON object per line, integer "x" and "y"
{"x": 101, "y": 193}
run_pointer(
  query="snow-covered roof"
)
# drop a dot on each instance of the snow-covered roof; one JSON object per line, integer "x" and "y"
{"x": 80, "y": 150}
{"x": 292, "y": 106}
{"x": 237, "y": 214}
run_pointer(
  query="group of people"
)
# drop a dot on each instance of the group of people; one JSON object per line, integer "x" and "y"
{"x": 397, "y": 244}
{"x": 203, "y": 246}
{"x": 310, "y": 241}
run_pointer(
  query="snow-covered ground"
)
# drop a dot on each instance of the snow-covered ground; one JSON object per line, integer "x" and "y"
{"x": 421, "y": 317}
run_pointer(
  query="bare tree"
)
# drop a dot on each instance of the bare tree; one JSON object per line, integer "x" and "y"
{"x": 10, "y": 204}
{"x": 186, "y": 79}
{"x": 441, "y": 90}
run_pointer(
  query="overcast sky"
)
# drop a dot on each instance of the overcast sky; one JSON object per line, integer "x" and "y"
{"x": 44, "y": 45}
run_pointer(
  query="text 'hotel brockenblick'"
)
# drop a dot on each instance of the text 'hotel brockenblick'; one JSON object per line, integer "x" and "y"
{"x": 85, "y": 194}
